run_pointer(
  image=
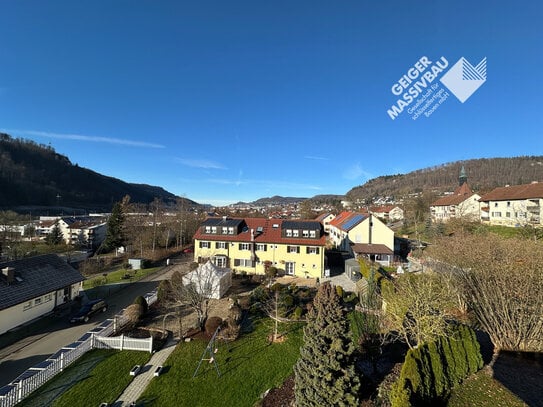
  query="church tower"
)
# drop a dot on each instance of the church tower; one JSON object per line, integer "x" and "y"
{"x": 463, "y": 178}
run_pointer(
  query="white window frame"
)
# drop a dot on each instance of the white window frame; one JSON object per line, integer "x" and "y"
{"x": 245, "y": 246}
{"x": 261, "y": 247}
{"x": 290, "y": 268}
{"x": 221, "y": 245}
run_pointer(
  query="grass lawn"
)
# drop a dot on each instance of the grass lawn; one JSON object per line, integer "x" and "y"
{"x": 98, "y": 376}
{"x": 481, "y": 390}
{"x": 117, "y": 277}
{"x": 248, "y": 366}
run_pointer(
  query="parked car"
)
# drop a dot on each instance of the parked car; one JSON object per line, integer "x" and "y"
{"x": 89, "y": 309}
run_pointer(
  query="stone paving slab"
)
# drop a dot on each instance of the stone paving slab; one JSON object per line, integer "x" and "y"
{"x": 140, "y": 382}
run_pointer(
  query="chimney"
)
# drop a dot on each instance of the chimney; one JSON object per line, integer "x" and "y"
{"x": 9, "y": 273}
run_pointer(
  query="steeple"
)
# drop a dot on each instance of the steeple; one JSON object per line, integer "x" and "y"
{"x": 463, "y": 178}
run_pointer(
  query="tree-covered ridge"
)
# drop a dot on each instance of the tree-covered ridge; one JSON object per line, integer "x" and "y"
{"x": 484, "y": 174}
{"x": 33, "y": 174}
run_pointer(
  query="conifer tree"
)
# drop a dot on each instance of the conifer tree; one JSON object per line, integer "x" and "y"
{"x": 55, "y": 236}
{"x": 115, "y": 229}
{"x": 325, "y": 373}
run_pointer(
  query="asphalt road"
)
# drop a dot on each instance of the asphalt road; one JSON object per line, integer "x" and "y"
{"x": 16, "y": 358}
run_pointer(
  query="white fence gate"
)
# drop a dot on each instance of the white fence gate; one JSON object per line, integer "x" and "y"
{"x": 122, "y": 343}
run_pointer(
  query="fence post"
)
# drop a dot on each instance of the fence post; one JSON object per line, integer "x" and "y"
{"x": 61, "y": 361}
{"x": 151, "y": 345}
{"x": 114, "y": 324}
{"x": 122, "y": 341}
{"x": 92, "y": 341}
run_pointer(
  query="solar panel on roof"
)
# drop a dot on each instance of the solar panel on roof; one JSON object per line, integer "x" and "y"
{"x": 353, "y": 221}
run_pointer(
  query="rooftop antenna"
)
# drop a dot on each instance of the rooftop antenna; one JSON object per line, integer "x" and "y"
{"x": 210, "y": 350}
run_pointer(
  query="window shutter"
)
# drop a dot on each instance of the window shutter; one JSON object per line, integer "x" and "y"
{"x": 236, "y": 262}
{"x": 265, "y": 247}
{"x": 200, "y": 243}
{"x": 240, "y": 247}
{"x": 298, "y": 249}
{"x": 318, "y": 250}
{"x": 307, "y": 250}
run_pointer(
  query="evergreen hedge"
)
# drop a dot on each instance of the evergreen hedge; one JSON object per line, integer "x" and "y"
{"x": 430, "y": 371}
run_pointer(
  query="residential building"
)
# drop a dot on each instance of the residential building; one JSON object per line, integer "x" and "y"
{"x": 34, "y": 286}
{"x": 388, "y": 213}
{"x": 462, "y": 203}
{"x": 362, "y": 234}
{"x": 252, "y": 244}
{"x": 516, "y": 205}
{"x": 325, "y": 219}
{"x": 83, "y": 231}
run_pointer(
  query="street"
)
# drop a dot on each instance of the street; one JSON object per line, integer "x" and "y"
{"x": 16, "y": 358}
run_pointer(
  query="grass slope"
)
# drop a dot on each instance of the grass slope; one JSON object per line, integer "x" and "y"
{"x": 248, "y": 366}
{"x": 98, "y": 376}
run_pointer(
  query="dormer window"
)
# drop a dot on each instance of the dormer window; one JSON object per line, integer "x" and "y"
{"x": 305, "y": 233}
{"x": 288, "y": 232}
{"x": 295, "y": 233}
{"x": 312, "y": 233}
{"x": 208, "y": 229}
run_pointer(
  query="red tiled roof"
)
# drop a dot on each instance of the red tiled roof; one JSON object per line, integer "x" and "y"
{"x": 383, "y": 209}
{"x": 525, "y": 191}
{"x": 269, "y": 234}
{"x": 460, "y": 194}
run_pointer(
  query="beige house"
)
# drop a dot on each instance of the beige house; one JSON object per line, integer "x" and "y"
{"x": 352, "y": 231}
{"x": 388, "y": 213}
{"x": 34, "y": 286}
{"x": 517, "y": 205}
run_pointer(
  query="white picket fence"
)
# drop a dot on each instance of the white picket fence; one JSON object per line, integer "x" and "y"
{"x": 122, "y": 343}
{"x": 97, "y": 337}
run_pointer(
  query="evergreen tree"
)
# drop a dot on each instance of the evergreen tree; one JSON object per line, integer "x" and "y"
{"x": 115, "y": 229}
{"x": 325, "y": 372}
{"x": 55, "y": 236}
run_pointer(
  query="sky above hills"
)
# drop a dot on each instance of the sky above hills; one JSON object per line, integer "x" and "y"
{"x": 232, "y": 101}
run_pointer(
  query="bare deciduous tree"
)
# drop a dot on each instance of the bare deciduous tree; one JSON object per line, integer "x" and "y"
{"x": 419, "y": 307}
{"x": 502, "y": 284}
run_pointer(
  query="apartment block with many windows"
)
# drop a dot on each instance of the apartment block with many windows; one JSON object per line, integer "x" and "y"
{"x": 251, "y": 244}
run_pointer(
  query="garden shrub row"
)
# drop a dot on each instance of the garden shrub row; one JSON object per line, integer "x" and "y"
{"x": 433, "y": 369}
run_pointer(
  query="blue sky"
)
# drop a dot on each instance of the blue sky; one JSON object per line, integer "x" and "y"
{"x": 232, "y": 101}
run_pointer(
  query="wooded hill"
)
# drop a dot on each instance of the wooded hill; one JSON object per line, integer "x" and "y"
{"x": 484, "y": 174}
{"x": 34, "y": 175}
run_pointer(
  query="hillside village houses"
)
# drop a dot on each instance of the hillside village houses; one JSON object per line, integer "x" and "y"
{"x": 463, "y": 202}
{"x": 388, "y": 213}
{"x": 34, "y": 286}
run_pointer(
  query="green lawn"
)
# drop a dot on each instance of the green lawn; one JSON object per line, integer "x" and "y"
{"x": 248, "y": 366}
{"x": 98, "y": 376}
{"x": 481, "y": 390}
{"x": 117, "y": 277}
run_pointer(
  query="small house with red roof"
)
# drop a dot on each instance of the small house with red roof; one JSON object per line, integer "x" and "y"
{"x": 363, "y": 234}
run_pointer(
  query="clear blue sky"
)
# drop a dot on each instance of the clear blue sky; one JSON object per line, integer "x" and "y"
{"x": 222, "y": 101}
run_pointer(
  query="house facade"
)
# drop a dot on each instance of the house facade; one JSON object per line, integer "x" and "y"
{"x": 517, "y": 205}
{"x": 252, "y": 244}
{"x": 83, "y": 231}
{"x": 34, "y": 286}
{"x": 325, "y": 219}
{"x": 349, "y": 229}
{"x": 463, "y": 203}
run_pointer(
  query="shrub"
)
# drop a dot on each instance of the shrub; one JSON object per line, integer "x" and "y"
{"x": 339, "y": 291}
{"x": 133, "y": 313}
{"x": 432, "y": 369}
{"x": 297, "y": 314}
{"x": 143, "y": 302}
{"x": 164, "y": 290}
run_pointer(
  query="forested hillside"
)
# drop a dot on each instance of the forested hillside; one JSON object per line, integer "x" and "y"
{"x": 483, "y": 175}
{"x": 33, "y": 174}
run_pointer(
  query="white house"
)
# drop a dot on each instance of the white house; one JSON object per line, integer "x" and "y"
{"x": 516, "y": 205}
{"x": 34, "y": 286}
{"x": 462, "y": 203}
{"x": 209, "y": 280}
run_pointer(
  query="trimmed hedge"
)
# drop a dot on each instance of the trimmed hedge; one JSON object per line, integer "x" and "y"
{"x": 430, "y": 371}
